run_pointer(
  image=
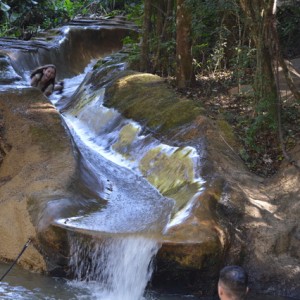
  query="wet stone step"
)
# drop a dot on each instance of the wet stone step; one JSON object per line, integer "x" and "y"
{"x": 7, "y": 73}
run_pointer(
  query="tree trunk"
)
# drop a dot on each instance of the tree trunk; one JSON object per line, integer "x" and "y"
{"x": 184, "y": 73}
{"x": 144, "y": 60}
{"x": 161, "y": 61}
{"x": 260, "y": 14}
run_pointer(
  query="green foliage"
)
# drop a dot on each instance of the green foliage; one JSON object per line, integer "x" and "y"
{"x": 30, "y": 15}
{"x": 217, "y": 56}
{"x": 263, "y": 122}
{"x": 220, "y": 36}
{"x": 288, "y": 17}
{"x": 242, "y": 63}
{"x": 66, "y": 7}
{"x": 133, "y": 50}
{"x": 205, "y": 21}
{"x": 134, "y": 13}
{"x": 70, "y": 7}
{"x": 4, "y": 28}
{"x": 20, "y": 16}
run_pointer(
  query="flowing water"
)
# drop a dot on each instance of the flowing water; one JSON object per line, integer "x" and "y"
{"x": 23, "y": 285}
{"x": 117, "y": 263}
{"x": 119, "y": 268}
{"x": 115, "y": 267}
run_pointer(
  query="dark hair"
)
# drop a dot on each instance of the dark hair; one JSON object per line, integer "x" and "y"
{"x": 235, "y": 279}
{"x": 39, "y": 70}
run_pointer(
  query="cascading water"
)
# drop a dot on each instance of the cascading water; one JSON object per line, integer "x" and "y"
{"x": 115, "y": 268}
{"x": 113, "y": 260}
{"x": 112, "y": 267}
{"x": 116, "y": 263}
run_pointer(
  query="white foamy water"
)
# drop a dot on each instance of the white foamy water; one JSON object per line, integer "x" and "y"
{"x": 113, "y": 269}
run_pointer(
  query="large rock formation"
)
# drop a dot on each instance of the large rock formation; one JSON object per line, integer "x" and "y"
{"x": 38, "y": 164}
{"x": 37, "y": 168}
{"x": 237, "y": 217}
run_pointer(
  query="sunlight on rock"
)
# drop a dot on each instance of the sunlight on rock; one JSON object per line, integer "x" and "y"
{"x": 143, "y": 77}
{"x": 264, "y": 205}
{"x": 253, "y": 211}
{"x": 127, "y": 136}
{"x": 168, "y": 170}
{"x": 42, "y": 108}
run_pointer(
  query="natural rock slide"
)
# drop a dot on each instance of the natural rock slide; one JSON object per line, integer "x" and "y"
{"x": 126, "y": 157}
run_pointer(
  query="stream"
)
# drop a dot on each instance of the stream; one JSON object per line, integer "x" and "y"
{"x": 135, "y": 216}
{"x": 119, "y": 266}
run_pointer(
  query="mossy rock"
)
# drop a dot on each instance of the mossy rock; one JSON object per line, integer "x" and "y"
{"x": 227, "y": 134}
{"x": 127, "y": 136}
{"x": 148, "y": 99}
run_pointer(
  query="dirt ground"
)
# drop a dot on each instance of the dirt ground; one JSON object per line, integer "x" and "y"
{"x": 222, "y": 100}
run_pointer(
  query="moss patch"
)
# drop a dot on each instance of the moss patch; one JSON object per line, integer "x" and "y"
{"x": 167, "y": 171}
{"x": 227, "y": 133}
{"x": 148, "y": 99}
{"x": 171, "y": 173}
{"x": 127, "y": 136}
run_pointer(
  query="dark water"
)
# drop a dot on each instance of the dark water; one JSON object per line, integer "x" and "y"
{"x": 24, "y": 285}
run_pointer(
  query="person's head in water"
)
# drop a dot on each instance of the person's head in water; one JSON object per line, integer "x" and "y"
{"x": 49, "y": 73}
{"x": 44, "y": 78}
{"x": 233, "y": 283}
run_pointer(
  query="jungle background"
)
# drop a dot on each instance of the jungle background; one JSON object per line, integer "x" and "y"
{"x": 228, "y": 56}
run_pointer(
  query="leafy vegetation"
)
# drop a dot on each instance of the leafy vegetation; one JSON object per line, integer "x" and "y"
{"x": 224, "y": 55}
{"x": 24, "y": 18}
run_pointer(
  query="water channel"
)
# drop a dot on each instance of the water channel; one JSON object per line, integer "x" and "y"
{"x": 136, "y": 214}
{"x": 120, "y": 266}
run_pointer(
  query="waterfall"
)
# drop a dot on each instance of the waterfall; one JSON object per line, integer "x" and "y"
{"x": 116, "y": 264}
{"x": 115, "y": 268}
{"x": 115, "y": 156}
{"x": 119, "y": 267}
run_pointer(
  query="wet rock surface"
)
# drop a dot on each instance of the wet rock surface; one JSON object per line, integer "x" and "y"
{"x": 7, "y": 73}
{"x": 254, "y": 220}
{"x": 38, "y": 166}
{"x": 240, "y": 218}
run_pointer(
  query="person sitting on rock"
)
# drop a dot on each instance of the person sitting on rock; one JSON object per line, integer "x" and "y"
{"x": 233, "y": 283}
{"x": 44, "y": 79}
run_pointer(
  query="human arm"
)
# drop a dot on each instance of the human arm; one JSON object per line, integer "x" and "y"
{"x": 35, "y": 80}
{"x": 49, "y": 90}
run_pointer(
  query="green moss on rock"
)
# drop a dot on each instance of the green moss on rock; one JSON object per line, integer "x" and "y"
{"x": 127, "y": 136}
{"x": 227, "y": 133}
{"x": 171, "y": 173}
{"x": 167, "y": 171}
{"x": 148, "y": 99}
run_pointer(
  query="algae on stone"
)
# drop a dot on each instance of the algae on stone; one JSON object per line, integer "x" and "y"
{"x": 172, "y": 173}
{"x": 148, "y": 99}
{"x": 227, "y": 134}
{"x": 127, "y": 135}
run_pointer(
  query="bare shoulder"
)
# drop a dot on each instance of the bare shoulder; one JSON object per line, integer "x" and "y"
{"x": 37, "y": 76}
{"x": 35, "y": 79}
